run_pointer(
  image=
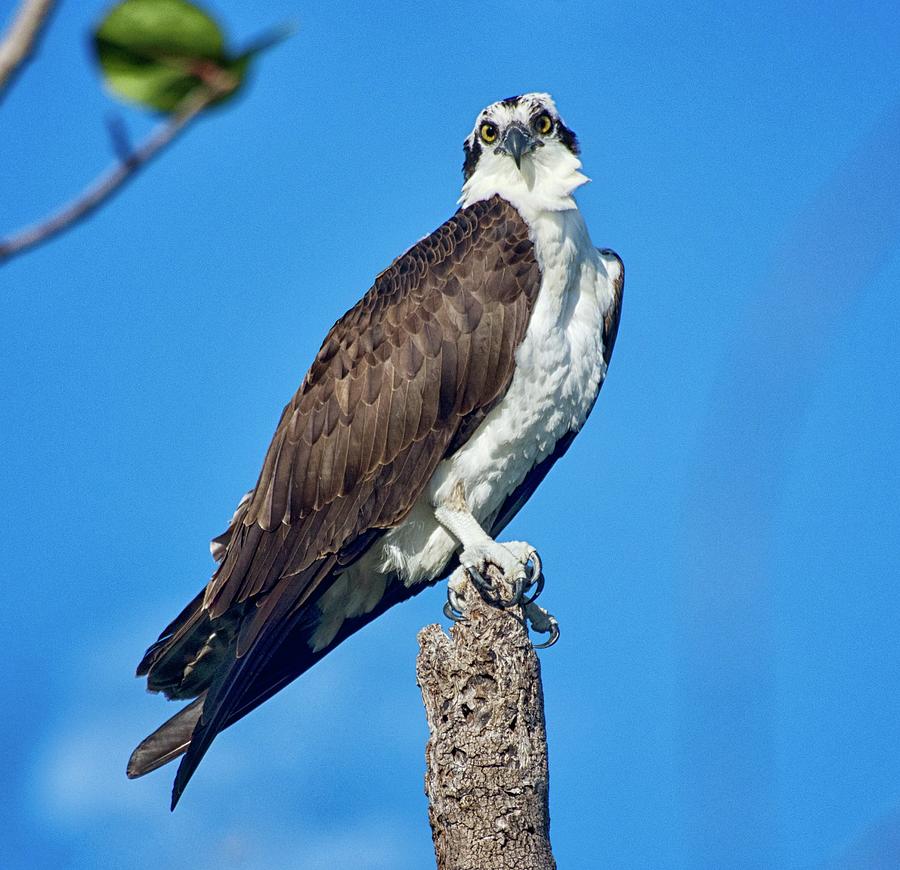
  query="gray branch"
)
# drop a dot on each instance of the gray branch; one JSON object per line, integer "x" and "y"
{"x": 21, "y": 37}
{"x": 486, "y": 775}
{"x": 103, "y": 188}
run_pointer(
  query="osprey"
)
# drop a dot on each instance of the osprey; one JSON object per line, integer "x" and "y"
{"x": 432, "y": 411}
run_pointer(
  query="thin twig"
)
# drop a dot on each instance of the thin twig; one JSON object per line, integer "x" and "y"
{"x": 109, "y": 183}
{"x": 20, "y": 39}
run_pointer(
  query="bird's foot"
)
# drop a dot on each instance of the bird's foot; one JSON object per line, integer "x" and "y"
{"x": 518, "y": 562}
{"x": 534, "y": 617}
{"x": 541, "y": 621}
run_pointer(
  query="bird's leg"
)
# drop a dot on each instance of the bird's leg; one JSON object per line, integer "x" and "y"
{"x": 518, "y": 561}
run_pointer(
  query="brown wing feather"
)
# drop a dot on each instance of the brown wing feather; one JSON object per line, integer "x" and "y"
{"x": 428, "y": 346}
{"x": 387, "y": 397}
{"x": 612, "y": 317}
{"x": 401, "y": 381}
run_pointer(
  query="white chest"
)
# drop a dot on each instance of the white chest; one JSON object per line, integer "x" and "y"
{"x": 559, "y": 369}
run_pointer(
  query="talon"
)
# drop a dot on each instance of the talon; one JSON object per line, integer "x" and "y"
{"x": 477, "y": 578}
{"x": 520, "y": 564}
{"x": 514, "y": 600}
{"x": 535, "y": 577}
{"x": 554, "y": 636}
{"x": 484, "y": 587}
{"x": 489, "y": 593}
{"x": 453, "y": 609}
{"x": 519, "y": 591}
{"x": 452, "y": 613}
{"x": 516, "y": 597}
{"x": 538, "y": 590}
{"x": 543, "y": 623}
{"x": 532, "y": 565}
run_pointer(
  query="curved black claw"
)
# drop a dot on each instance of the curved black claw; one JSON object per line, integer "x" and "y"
{"x": 453, "y": 607}
{"x": 554, "y": 637}
{"x": 538, "y": 590}
{"x": 489, "y": 593}
{"x": 516, "y": 598}
{"x": 485, "y": 589}
{"x": 539, "y": 620}
{"x": 452, "y": 613}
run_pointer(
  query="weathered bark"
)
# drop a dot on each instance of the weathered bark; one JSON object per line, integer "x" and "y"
{"x": 487, "y": 776}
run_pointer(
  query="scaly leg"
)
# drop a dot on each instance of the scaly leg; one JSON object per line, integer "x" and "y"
{"x": 519, "y": 562}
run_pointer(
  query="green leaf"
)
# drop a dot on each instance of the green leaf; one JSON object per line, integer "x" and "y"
{"x": 158, "y": 52}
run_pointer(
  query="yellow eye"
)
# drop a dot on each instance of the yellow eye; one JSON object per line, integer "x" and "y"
{"x": 543, "y": 124}
{"x": 489, "y": 133}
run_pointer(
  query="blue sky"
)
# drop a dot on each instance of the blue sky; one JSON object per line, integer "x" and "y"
{"x": 720, "y": 542}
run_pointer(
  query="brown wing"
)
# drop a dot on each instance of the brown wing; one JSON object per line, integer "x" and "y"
{"x": 393, "y": 390}
{"x": 430, "y": 345}
{"x": 614, "y": 314}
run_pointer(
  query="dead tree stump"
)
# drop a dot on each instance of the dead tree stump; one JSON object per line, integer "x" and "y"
{"x": 486, "y": 760}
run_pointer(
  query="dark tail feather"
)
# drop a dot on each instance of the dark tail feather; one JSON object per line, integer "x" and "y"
{"x": 187, "y": 617}
{"x": 225, "y": 693}
{"x": 170, "y": 740}
{"x": 242, "y": 688}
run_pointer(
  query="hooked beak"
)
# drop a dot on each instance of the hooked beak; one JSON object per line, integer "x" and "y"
{"x": 517, "y": 142}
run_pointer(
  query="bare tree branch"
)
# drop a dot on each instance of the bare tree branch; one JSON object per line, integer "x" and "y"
{"x": 21, "y": 37}
{"x": 109, "y": 183}
{"x": 487, "y": 778}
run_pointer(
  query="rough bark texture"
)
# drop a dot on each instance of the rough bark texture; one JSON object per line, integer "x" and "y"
{"x": 487, "y": 776}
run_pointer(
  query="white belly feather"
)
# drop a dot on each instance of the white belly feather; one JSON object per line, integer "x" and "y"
{"x": 559, "y": 369}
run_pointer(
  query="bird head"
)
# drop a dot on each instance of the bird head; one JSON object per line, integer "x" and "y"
{"x": 521, "y": 149}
